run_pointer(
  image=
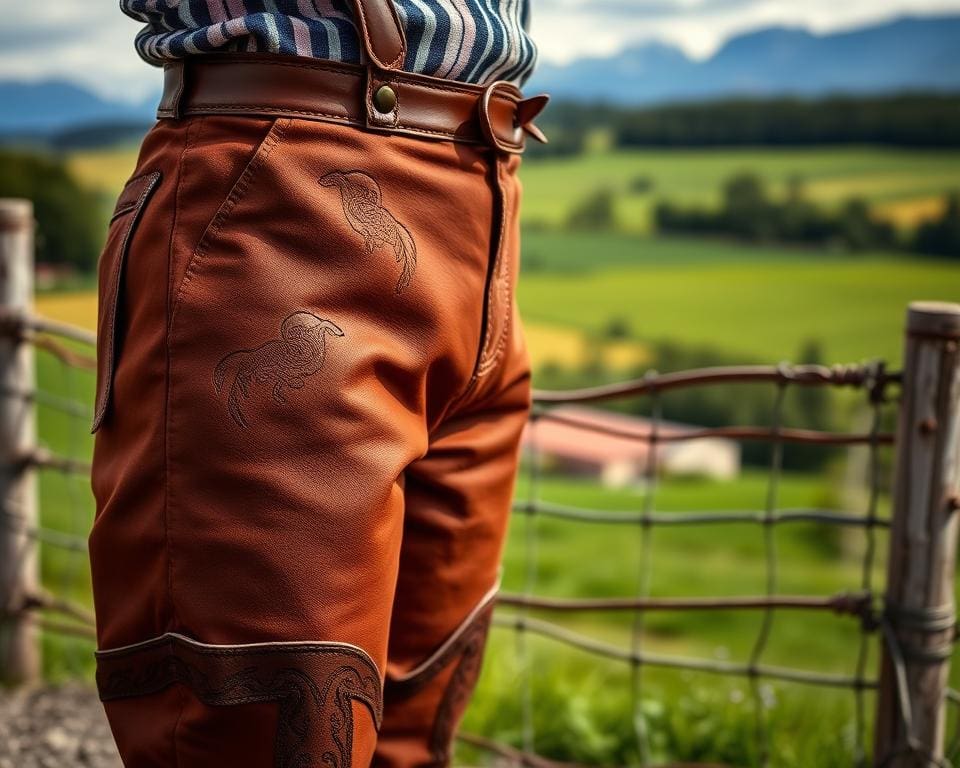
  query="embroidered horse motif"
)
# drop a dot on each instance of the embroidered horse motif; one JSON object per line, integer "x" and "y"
{"x": 363, "y": 206}
{"x": 284, "y": 363}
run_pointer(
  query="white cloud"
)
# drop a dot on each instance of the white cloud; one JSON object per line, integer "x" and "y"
{"x": 566, "y": 29}
{"x": 91, "y": 41}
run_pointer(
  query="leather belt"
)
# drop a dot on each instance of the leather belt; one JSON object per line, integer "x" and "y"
{"x": 382, "y": 100}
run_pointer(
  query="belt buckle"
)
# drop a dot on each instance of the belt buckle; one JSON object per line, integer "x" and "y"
{"x": 518, "y": 113}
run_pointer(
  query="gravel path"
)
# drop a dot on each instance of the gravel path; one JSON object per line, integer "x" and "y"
{"x": 54, "y": 728}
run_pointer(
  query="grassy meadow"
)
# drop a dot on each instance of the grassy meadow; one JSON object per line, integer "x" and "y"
{"x": 754, "y": 302}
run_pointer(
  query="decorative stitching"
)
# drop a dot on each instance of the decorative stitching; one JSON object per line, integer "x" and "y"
{"x": 282, "y": 363}
{"x": 310, "y": 709}
{"x": 362, "y": 202}
{"x": 469, "y": 640}
{"x": 124, "y": 205}
{"x": 503, "y": 285}
{"x": 168, "y": 547}
{"x": 459, "y": 689}
{"x": 408, "y": 682}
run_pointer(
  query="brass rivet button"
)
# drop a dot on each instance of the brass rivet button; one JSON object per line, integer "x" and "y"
{"x": 385, "y": 99}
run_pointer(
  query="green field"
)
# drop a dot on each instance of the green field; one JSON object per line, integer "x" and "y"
{"x": 904, "y": 181}
{"x": 758, "y": 302}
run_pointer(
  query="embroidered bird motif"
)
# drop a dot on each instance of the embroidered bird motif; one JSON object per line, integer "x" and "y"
{"x": 282, "y": 363}
{"x": 363, "y": 206}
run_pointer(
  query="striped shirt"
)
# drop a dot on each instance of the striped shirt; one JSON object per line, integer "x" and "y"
{"x": 475, "y": 41}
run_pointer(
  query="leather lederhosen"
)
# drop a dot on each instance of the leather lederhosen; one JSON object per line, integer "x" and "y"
{"x": 311, "y": 387}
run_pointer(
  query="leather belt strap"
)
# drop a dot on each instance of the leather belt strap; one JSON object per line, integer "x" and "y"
{"x": 262, "y": 84}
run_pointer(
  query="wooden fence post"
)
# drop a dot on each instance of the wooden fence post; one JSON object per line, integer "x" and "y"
{"x": 20, "y": 660}
{"x": 919, "y": 603}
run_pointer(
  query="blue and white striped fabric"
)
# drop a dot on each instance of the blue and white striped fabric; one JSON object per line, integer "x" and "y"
{"x": 475, "y": 41}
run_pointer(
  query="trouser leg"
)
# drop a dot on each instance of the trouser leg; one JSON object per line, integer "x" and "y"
{"x": 458, "y": 499}
{"x": 298, "y": 305}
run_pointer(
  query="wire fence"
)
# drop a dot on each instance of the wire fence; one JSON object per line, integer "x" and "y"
{"x": 58, "y": 605}
{"x": 910, "y": 619}
{"x": 881, "y": 620}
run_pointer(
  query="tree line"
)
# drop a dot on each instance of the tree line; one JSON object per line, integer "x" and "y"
{"x": 905, "y": 120}
{"x": 749, "y": 213}
{"x": 69, "y": 216}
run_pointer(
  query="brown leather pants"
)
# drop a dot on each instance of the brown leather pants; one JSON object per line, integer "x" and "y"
{"x": 311, "y": 390}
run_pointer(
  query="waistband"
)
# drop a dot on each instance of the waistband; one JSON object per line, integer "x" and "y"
{"x": 391, "y": 101}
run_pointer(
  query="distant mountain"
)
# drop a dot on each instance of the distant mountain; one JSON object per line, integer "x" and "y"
{"x": 49, "y": 106}
{"x": 907, "y": 54}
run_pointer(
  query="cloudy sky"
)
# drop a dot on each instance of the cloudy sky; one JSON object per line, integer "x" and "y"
{"x": 90, "y": 40}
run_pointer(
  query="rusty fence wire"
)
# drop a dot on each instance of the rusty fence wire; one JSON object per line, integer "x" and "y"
{"x": 55, "y": 610}
{"x": 526, "y": 613}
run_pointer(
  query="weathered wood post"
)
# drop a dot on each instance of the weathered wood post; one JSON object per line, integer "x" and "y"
{"x": 19, "y": 574}
{"x": 919, "y": 604}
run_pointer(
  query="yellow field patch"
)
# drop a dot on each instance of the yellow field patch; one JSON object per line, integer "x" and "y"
{"x": 74, "y": 308}
{"x": 105, "y": 170}
{"x": 907, "y": 214}
{"x": 570, "y": 348}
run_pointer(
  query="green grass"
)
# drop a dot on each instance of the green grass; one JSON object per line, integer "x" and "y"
{"x": 832, "y": 174}
{"x": 584, "y": 704}
{"x": 585, "y": 559}
{"x": 757, "y": 302}
{"x": 66, "y": 504}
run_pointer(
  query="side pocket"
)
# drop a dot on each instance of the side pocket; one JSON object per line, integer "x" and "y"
{"x": 266, "y": 145}
{"x": 123, "y": 224}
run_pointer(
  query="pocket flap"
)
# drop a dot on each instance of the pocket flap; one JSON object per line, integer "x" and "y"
{"x": 127, "y": 213}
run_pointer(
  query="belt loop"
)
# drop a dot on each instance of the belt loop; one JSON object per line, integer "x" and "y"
{"x": 385, "y": 46}
{"x": 381, "y": 33}
{"x": 174, "y": 76}
{"x": 506, "y": 118}
{"x": 498, "y": 117}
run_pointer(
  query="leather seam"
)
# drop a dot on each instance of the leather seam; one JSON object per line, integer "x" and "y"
{"x": 503, "y": 278}
{"x": 307, "y": 647}
{"x": 115, "y": 277}
{"x": 167, "y": 540}
{"x": 196, "y": 109}
{"x": 238, "y": 192}
{"x": 499, "y": 203}
{"x": 121, "y": 209}
{"x": 181, "y": 170}
{"x": 437, "y": 659}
